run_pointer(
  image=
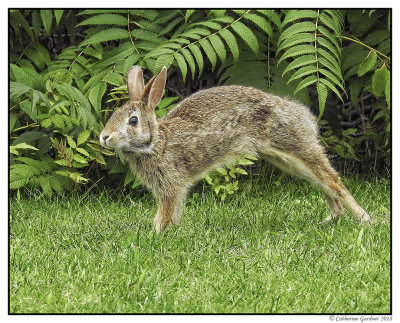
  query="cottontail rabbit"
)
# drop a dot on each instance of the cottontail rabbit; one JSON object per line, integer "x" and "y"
{"x": 213, "y": 127}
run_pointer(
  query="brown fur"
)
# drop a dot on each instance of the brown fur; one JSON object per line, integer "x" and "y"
{"x": 214, "y": 127}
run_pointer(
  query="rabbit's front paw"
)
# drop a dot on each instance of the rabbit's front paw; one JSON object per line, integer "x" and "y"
{"x": 160, "y": 223}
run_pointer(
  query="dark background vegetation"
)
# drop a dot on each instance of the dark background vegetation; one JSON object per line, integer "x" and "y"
{"x": 68, "y": 67}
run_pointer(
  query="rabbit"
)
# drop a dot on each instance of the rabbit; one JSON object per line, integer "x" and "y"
{"x": 211, "y": 128}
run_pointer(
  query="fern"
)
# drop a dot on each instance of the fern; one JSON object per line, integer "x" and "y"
{"x": 211, "y": 37}
{"x": 47, "y": 20}
{"x": 105, "y": 19}
{"x": 106, "y": 35}
{"x": 315, "y": 48}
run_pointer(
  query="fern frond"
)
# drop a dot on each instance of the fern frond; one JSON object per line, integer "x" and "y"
{"x": 105, "y": 19}
{"x": 247, "y": 35}
{"x": 300, "y": 27}
{"x": 230, "y": 40}
{"x": 121, "y": 52}
{"x": 300, "y": 61}
{"x": 106, "y": 35}
{"x": 47, "y": 20}
{"x": 190, "y": 60}
{"x": 333, "y": 78}
{"x": 306, "y": 82}
{"x": 102, "y": 11}
{"x": 331, "y": 37}
{"x": 147, "y": 35}
{"x": 224, "y": 19}
{"x": 163, "y": 60}
{"x": 325, "y": 43}
{"x": 332, "y": 87}
{"x": 198, "y": 56}
{"x": 293, "y": 15}
{"x": 208, "y": 49}
{"x": 329, "y": 22}
{"x": 58, "y": 15}
{"x": 322, "y": 92}
{"x": 296, "y": 39}
{"x": 297, "y": 51}
{"x": 182, "y": 64}
{"x": 171, "y": 25}
{"x": 303, "y": 71}
{"x": 210, "y": 24}
{"x": 20, "y": 19}
{"x": 219, "y": 47}
{"x": 261, "y": 22}
{"x": 96, "y": 94}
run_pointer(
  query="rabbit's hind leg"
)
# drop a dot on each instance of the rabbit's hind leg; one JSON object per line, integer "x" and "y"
{"x": 336, "y": 208}
{"x": 316, "y": 169}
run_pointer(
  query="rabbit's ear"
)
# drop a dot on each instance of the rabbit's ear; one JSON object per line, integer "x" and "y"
{"x": 135, "y": 83}
{"x": 154, "y": 89}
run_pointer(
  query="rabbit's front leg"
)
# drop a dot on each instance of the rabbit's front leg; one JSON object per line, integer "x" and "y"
{"x": 169, "y": 210}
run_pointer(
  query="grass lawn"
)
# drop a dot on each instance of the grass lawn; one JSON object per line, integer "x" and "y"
{"x": 260, "y": 251}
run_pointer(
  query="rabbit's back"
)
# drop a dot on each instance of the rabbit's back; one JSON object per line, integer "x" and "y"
{"x": 220, "y": 124}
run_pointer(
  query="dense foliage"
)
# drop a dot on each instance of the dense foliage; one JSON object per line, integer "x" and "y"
{"x": 68, "y": 67}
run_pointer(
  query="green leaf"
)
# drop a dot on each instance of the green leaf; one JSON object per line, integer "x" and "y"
{"x": 379, "y": 79}
{"x": 188, "y": 14}
{"x": 296, "y": 39}
{"x": 83, "y": 137}
{"x": 20, "y": 19}
{"x": 293, "y": 15}
{"x": 22, "y": 145}
{"x": 71, "y": 142}
{"x": 82, "y": 151}
{"x": 147, "y": 35}
{"x": 106, "y": 35}
{"x": 105, "y": 19}
{"x": 58, "y": 15}
{"x": 325, "y": 43}
{"x": 368, "y": 63}
{"x": 47, "y": 20}
{"x": 332, "y": 78}
{"x": 297, "y": 28}
{"x": 330, "y": 36}
{"x": 205, "y": 44}
{"x": 219, "y": 47}
{"x": 198, "y": 56}
{"x": 163, "y": 60}
{"x": 80, "y": 159}
{"x": 96, "y": 94}
{"x": 297, "y": 51}
{"x": 306, "y": 82}
{"x": 303, "y": 71}
{"x": 322, "y": 95}
{"x": 300, "y": 61}
{"x": 261, "y": 22}
{"x": 332, "y": 87}
{"x": 231, "y": 42}
{"x": 329, "y": 22}
{"x": 247, "y": 35}
{"x": 222, "y": 171}
{"x": 182, "y": 64}
{"x": 190, "y": 60}
{"x": 388, "y": 92}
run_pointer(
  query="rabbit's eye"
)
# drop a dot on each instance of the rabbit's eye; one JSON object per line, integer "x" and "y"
{"x": 133, "y": 121}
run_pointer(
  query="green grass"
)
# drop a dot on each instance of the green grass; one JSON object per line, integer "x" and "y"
{"x": 260, "y": 251}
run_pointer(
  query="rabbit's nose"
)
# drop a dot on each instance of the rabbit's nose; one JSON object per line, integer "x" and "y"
{"x": 104, "y": 138}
